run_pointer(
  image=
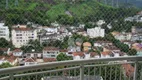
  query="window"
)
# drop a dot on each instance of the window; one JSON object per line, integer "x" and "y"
{"x": 52, "y": 55}
{"x": 35, "y": 55}
{"x": 1, "y": 31}
{"x": 17, "y": 31}
{"x": 2, "y": 34}
{"x": 18, "y": 34}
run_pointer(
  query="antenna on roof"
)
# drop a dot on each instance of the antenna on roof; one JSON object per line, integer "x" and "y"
{"x": 7, "y": 4}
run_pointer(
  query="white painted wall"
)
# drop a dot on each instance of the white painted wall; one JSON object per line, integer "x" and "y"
{"x": 19, "y": 41}
{"x": 4, "y": 31}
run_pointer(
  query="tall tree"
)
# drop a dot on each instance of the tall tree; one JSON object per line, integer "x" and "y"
{"x": 3, "y": 42}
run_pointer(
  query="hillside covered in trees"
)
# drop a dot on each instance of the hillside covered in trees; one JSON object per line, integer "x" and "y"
{"x": 65, "y": 12}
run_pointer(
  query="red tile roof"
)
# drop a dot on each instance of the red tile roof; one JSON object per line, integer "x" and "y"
{"x": 17, "y": 50}
{"x": 22, "y": 29}
{"x": 112, "y": 47}
{"x": 49, "y": 59}
{"x": 63, "y": 50}
{"x": 92, "y": 54}
{"x": 87, "y": 44}
{"x": 3, "y": 49}
{"x": 106, "y": 53}
{"x": 50, "y": 48}
{"x": 10, "y": 58}
{"x": 81, "y": 54}
{"x": 2, "y": 57}
{"x": 30, "y": 60}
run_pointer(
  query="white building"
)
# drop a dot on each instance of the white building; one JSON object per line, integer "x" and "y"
{"x": 17, "y": 52}
{"x": 34, "y": 55}
{"x": 96, "y": 32}
{"x": 51, "y": 30}
{"x": 91, "y": 55}
{"x": 4, "y": 31}
{"x": 50, "y": 52}
{"x": 78, "y": 55}
{"x": 30, "y": 61}
{"x": 2, "y": 60}
{"x": 105, "y": 54}
{"x": 21, "y": 36}
{"x": 55, "y": 24}
{"x": 8, "y": 59}
{"x": 123, "y": 36}
{"x": 100, "y": 22}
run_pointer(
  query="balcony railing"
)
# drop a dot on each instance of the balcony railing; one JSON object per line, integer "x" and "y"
{"x": 121, "y": 68}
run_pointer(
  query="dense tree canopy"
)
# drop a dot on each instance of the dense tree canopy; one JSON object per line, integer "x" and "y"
{"x": 33, "y": 45}
{"x": 5, "y": 65}
{"x": 63, "y": 57}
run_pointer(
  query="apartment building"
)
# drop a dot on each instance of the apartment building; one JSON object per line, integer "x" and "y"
{"x": 4, "y": 31}
{"x": 96, "y": 32}
{"x": 21, "y": 35}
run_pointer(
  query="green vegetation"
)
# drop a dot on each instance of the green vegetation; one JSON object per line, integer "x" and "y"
{"x": 5, "y": 65}
{"x": 45, "y": 12}
{"x": 32, "y": 45}
{"x": 5, "y": 44}
{"x": 55, "y": 11}
{"x": 123, "y": 47}
{"x": 63, "y": 57}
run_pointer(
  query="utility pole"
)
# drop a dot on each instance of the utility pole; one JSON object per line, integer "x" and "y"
{"x": 6, "y": 4}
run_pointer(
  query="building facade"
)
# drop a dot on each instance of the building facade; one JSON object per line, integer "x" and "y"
{"x": 4, "y": 31}
{"x": 50, "y": 52}
{"x": 21, "y": 36}
{"x": 96, "y": 32}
